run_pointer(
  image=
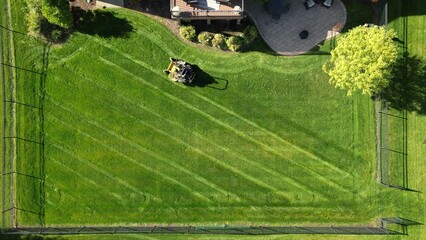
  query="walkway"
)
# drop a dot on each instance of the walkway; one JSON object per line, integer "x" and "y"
{"x": 282, "y": 34}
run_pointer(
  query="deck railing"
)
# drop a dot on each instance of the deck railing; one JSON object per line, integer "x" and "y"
{"x": 197, "y": 12}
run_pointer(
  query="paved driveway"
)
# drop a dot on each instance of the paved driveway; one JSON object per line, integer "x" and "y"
{"x": 282, "y": 34}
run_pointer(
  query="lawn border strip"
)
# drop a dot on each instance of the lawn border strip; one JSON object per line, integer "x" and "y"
{"x": 12, "y": 129}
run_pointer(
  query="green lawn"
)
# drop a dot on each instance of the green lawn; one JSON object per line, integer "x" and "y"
{"x": 262, "y": 140}
{"x": 265, "y": 140}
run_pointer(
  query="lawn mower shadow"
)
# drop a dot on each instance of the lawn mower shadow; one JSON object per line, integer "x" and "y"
{"x": 203, "y": 79}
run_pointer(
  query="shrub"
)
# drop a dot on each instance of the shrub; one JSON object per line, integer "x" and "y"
{"x": 363, "y": 60}
{"x": 188, "y": 32}
{"x": 33, "y": 17}
{"x": 57, "y": 12}
{"x": 205, "y": 38}
{"x": 219, "y": 41}
{"x": 250, "y": 33}
{"x": 234, "y": 43}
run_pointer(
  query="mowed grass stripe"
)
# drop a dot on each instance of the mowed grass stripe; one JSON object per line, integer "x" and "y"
{"x": 148, "y": 151}
{"x": 92, "y": 99}
{"x": 70, "y": 56}
{"x": 217, "y": 161}
{"x": 231, "y": 152}
{"x": 125, "y": 156}
{"x": 319, "y": 196}
{"x": 79, "y": 167}
{"x": 125, "y": 184}
{"x": 207, "y": 141}
{"x": 173, "y": 100}
{"x": 275, "y": 136}
{"x": 233, "y": 129}
{"x": 104, "y": 189}
{"x": 327, "y": 164}
{"x": 76, "y": 113}
{"x": 280, "y": 175}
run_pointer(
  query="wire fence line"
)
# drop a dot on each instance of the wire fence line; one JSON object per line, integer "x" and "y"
{"x": 392, "y": 162}
{"x": 392, "y": 159}
{"x": 235, "y": 230}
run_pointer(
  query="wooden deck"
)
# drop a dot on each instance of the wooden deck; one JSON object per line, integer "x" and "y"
{"x": 201, "y": 11}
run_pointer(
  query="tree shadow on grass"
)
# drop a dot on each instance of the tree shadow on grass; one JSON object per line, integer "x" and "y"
{"x": 101, "y": 23}
{"x": 203, "y": 79}
{"x": 407, "y": 88}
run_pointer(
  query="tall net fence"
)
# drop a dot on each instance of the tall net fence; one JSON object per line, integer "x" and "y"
{"x": 237, "y": 230}
{"x": 392, "y": 127}
{"x": 22, "y": 128}
{"x": 392, "y": 152}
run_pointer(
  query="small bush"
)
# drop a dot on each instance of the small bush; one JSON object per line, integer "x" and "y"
{"x": 33, "y": 17}
{"x": 205, "y": 38}
{"x": 250, "y": 33}
{"x": 234, "y": 43}
{"x": 57, "y": 12}
{"x": 219, "y": 41}
{"x": 188, "y": 32}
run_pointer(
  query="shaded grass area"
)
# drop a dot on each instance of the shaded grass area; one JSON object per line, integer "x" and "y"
{"x": 409, "y": 20}
{"x": 278, "y": 146}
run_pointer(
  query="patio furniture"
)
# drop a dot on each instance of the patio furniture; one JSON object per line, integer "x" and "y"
{"x": 309, "y": 4}
{"x": 327, "y": 3}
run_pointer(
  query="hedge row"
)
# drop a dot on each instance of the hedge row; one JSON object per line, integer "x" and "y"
{"x": 233, "y": 43}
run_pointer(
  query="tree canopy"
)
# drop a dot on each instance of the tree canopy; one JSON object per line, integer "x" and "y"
{"x": 57, "y": 12}
{"x": 363, "y": 60}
